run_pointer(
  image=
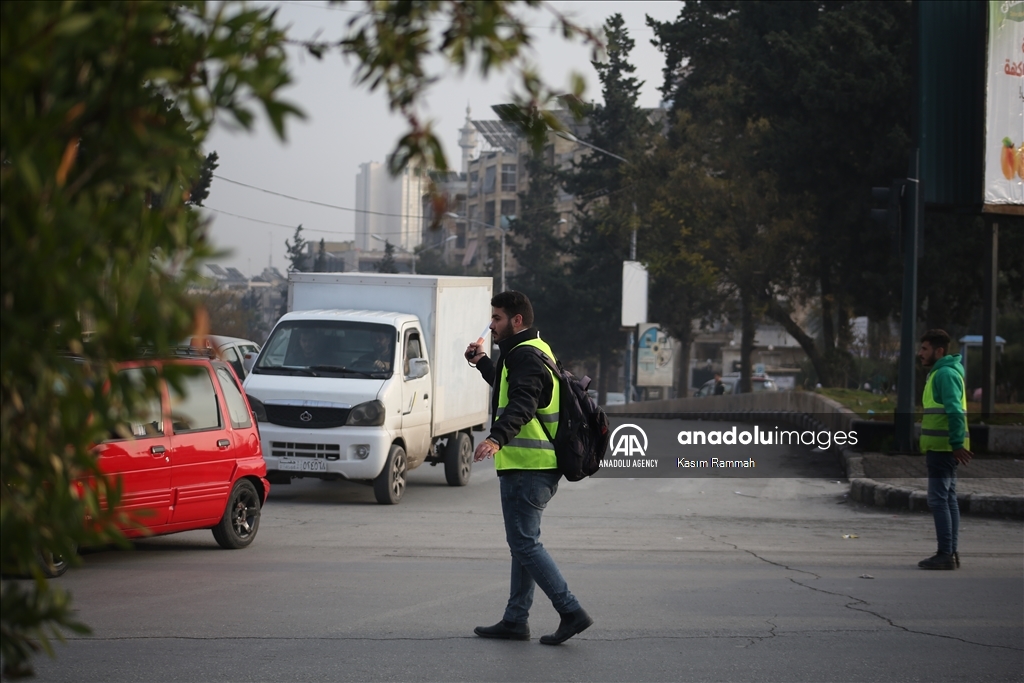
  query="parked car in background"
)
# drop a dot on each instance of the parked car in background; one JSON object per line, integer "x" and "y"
{"x": 189, "y": 458}
{"x": 240, "y": 353}
{"x": 758, "y": 383}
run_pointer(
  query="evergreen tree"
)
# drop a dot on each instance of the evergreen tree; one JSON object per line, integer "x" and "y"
{"x": 296, "y": 251}
{"x": 539, "y": 246}
{"x": 387, "y": 264}
{"x": 605, "y": 213}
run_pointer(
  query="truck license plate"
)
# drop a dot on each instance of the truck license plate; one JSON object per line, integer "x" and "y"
{"x": 311, "y": 465}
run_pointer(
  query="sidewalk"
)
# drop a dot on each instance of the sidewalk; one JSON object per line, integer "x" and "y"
{"x": 988, "y": 485}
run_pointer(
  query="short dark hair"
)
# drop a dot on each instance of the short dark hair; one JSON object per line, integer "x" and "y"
{"x": 939, "y": 339}
{"x": 514, "y": 303}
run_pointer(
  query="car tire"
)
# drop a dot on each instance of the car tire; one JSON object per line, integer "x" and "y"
{"x": 241, "y": 520}
{"x": 389, "y": 486}
{"x": 52, "y": 565}
{"x": 458, "y": 459}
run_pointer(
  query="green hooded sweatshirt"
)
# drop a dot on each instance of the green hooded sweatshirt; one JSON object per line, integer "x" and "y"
{"x": 946, "y": 389}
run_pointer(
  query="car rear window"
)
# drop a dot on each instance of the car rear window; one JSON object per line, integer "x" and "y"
{"x": 195, "y": 408}
{"x": 236, "y": 404}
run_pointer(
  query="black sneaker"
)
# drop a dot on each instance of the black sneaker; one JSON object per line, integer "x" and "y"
{"x": 505, "y": 630}
{"x": 938, "y": 561}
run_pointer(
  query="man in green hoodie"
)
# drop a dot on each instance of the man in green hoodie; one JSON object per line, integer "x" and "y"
{"x": 944, "y": 441}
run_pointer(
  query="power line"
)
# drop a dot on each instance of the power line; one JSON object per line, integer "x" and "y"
{"x": 314, "y": 202}
{"x": 285, "y": 225}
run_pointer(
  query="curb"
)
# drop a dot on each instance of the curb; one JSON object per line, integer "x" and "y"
{"x": 879, "y": 494}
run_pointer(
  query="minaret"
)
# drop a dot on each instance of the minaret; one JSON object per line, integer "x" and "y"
{"x": 467, "y": 141}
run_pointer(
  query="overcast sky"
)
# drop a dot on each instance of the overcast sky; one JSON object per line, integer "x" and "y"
{"x": 346, "y": 126}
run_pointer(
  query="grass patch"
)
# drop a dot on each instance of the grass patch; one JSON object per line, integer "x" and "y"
{"x": 882, "y": 406}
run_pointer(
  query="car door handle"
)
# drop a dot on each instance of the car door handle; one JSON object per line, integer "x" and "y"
{"x": 156, "y": 450}
{"x": 223, "y": 443}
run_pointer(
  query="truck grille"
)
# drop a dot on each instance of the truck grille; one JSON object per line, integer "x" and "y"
{"x": 284, "y": 449}
{"x": 304, "y": 417}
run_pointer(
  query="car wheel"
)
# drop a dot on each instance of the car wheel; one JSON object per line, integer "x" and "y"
{"x": 389, "y": 486}
{"x": 241, "y": 520}
{"x": 52, "y": 565}
{"x": 458, "y": 459}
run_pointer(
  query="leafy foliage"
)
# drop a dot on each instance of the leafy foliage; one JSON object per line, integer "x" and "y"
{"x": 393, "y": 41}
{"x": 827, "y": 86}
{"x": 103, "y": 110}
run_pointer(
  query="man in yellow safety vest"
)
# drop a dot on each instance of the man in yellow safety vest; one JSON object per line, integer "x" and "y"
{"x": 944, "y": 441}
{"x": 525, "y": 395}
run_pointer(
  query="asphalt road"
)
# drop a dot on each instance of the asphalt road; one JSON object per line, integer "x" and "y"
{"x": 728, "y": 578}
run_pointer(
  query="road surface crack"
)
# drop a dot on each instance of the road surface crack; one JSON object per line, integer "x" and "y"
{"x": 857, "y": 604}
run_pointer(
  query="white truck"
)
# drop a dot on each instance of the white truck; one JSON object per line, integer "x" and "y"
{"x": 365, "y": 378}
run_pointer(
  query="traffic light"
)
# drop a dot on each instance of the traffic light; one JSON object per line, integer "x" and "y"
{"x": 892, "y": 215}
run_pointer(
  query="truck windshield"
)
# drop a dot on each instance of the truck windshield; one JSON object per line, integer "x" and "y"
{"x": 329, "y": 348}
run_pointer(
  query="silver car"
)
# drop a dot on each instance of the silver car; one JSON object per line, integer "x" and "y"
{"x": 731, "y": 383}
{"x": 239, "y": 353}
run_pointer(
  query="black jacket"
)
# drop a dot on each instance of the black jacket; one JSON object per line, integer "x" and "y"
{"x": 529, "y": 385}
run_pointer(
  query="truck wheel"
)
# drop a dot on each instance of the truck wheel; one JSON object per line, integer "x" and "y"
{"x": 241, "y": 520}
{"x": 389, "y": 485}
{"x": 458, "y": 459}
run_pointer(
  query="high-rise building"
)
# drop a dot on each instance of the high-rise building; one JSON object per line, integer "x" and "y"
{"x": 388, "y": 208}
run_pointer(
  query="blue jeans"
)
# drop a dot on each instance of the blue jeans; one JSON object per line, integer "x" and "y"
{"x": 942, "y": 499}
{"x": 524, "y": 495}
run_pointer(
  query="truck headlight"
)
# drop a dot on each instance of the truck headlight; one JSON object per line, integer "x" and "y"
{"x": 369, "y": 414}
{"x": 258, "y": 409}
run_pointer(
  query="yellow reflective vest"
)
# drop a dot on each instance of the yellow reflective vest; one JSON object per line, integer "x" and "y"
{"x": 530, "y": 449}
{"x": 935, "y": 422}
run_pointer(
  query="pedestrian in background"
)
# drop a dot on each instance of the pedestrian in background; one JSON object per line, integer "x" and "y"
{"x": 944, "y": 441}
{"x": 524, "y": 394}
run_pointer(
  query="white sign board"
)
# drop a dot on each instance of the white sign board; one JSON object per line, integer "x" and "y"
{"x": 634, "y": 293}
{"x": 654, "y": 358}
{"x": 1004, "y": 113}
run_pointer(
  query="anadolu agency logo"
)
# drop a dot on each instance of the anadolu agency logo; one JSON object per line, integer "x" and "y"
{"x": 629, "y": 448}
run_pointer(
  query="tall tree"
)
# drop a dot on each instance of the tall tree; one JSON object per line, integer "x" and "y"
{"x": 606, "y": 216}
{"x": 296, "y": 251}
{"x": 799, "y": 67}
{"x": 539, "y": 246}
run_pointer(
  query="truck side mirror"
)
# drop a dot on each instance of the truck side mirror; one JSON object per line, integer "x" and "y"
{"x": 418, "y": 367}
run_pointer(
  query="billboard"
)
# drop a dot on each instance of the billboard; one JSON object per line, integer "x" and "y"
{"x": 1004, "y": 110}
{"x": 655, "y": 366}
{"x": 634, "y": 293}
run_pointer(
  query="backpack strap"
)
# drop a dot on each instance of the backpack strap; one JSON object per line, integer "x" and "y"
{"x": 557, "y": 374}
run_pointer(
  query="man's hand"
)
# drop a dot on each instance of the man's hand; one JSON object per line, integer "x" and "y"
{"x": 486, "y": 449}
{"x": 963, "y": 456}
{"x": 474, "y": 353}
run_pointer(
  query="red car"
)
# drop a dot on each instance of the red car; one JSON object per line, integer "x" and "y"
{"x": 194, "y": 460}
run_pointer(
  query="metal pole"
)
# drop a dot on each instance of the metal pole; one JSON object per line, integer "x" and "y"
{"x": 988, "y": 342}
{"x": 903, "y": 421}
{"x": 502, "y": 259}
{"x": 629, "y": 368}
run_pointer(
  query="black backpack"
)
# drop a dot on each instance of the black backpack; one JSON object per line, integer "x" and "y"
{"x": 582, "y": 437}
